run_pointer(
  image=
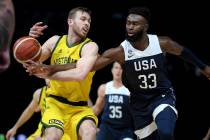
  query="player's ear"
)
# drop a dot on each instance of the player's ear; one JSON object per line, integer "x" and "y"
{"x": 70, "y": 21}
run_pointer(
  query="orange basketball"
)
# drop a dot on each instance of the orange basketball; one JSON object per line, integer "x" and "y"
{"x": 26, "y": 48}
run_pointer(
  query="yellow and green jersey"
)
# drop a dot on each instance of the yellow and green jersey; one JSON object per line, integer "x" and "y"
{"x": 42, "y": 97}
{"x": 71, "y": 90}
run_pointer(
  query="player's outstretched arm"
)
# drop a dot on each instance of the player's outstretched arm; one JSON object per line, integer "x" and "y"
{"x": 100, "y": 101}
{"x": 172, "y": 47}
{"x": 35, "y": 68}
{"x": 109, "y": 56}
{"x": 25, "y": 116}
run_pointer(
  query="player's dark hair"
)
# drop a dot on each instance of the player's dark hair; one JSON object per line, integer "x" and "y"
{"x": 143, "y": 11}
{"x": 82, "y": 9}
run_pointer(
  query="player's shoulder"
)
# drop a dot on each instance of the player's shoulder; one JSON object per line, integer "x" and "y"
{"x": 126, "y": 90}
{"x": 110, "y": 83}
{"x": 91, "y": 44}
{"x": 101, "y": 89}
{"x": 55, "y": 37}
{"x": 51, "y": 42}
{"x": 163, "y": 38}
{"x": 90, "y": 48}
{"x": 102, "y": 86}
{"x": 165, "y": 41}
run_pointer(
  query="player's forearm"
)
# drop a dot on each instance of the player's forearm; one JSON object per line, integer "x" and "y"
{"x": 188, "y": 56}
{"x": 83, "y": 67}
{"x": 96, "y": 110}
{"x": 90, "y": 103}
{"x": 173, "y": 47}
{"x": 56, "y": 68}
{"x": 98, "y": 107}
{"x": 25, "y": 116}
{"x": 69, "y": 75}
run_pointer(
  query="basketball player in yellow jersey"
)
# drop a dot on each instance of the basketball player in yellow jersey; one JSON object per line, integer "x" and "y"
{"x": 67, "y": 109}
{"x": 36, "y": 105}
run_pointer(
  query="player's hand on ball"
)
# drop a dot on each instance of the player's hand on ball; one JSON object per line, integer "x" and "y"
{"x": 37, "y": 30}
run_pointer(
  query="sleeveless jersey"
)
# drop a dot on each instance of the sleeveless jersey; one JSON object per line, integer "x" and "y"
{"x": 144, "y": 72}
{"x": 42, "y": 97}
{"x": 116, "y": 111}
{"x": 71, "y": 90}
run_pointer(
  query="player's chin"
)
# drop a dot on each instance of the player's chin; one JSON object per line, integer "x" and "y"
{"x": 83, "y": 34}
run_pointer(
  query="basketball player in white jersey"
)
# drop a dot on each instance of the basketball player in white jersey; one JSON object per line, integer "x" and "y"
{"x": 113, "y": 99}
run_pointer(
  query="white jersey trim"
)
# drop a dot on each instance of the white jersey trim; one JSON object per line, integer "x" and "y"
{"x": 110, "y": 89}
{"x": 160, "y": 108}
{"x": 152, "y": 49}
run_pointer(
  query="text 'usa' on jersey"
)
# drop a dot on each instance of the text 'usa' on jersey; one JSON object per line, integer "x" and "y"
{"x": 144, "y": 72}
{"x": 116, "y": 110}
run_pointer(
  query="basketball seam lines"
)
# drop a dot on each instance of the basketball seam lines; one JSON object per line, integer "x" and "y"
{"x": 19, "y": 45}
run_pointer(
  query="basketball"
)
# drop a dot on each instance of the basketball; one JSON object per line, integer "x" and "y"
{"x": 26, "y": 48}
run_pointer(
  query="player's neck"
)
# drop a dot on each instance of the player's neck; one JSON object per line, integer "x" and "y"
{"x": 142, "y": 43}
{"x": 117, "y": 83}
{"x": 73, "y": 39}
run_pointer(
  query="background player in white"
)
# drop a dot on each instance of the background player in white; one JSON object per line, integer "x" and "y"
{"x": 113, "y": 100}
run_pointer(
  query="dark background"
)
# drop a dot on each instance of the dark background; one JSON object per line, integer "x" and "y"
{"x": 185, "y": 24}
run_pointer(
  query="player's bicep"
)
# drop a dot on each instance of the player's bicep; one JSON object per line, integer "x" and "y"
{"x": 48, "y": 47}
{"x": 36, "y": 98}
{"x": 170, "y": 46}
{"x": 88, "y": 58}
{"x": 100, "y": 101}
{"x": 32, "y": 106}
{"x": 101, "y": 94}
